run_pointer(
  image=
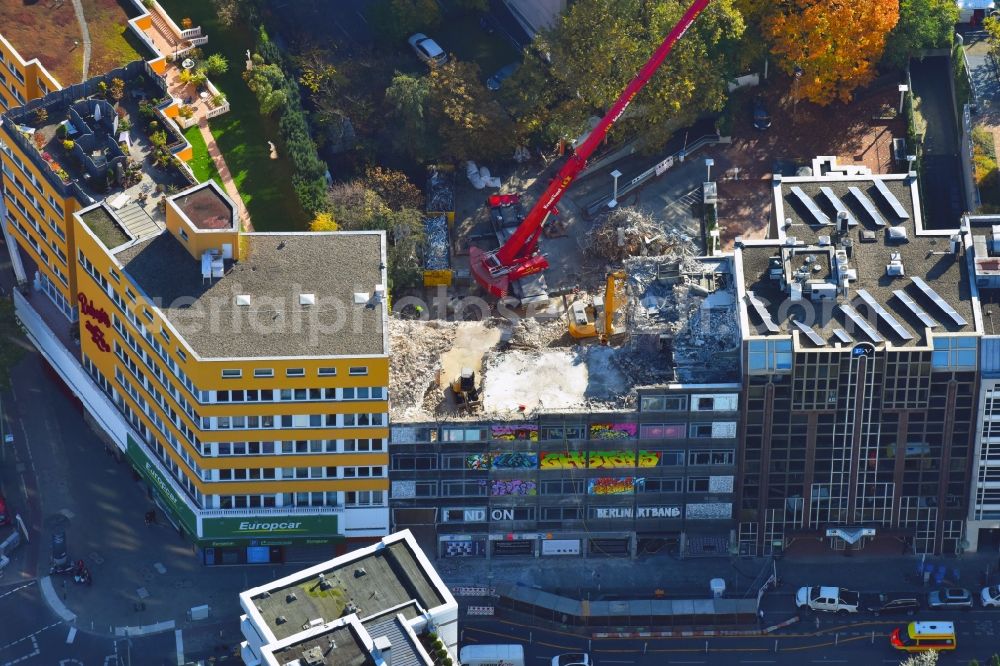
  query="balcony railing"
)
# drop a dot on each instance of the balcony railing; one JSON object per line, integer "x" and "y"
{"x": 258, "y": 512}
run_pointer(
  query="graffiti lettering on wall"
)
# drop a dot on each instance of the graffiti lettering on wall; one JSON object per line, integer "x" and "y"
{"x": 497, "y": 460}
{"x": 614, "y": 485}
{"x": 612, "y": 430}
{"x": 521, "y": 432}
{"x": 598, "y": 459}
{"x": 500, "y": 487}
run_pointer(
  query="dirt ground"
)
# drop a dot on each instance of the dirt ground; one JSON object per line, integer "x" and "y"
{"x": 798, "y": 133}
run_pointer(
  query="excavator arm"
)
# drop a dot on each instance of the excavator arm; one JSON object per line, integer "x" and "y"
{"x": 518, "y": 257}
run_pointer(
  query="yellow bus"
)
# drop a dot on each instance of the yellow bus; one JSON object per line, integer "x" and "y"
{"x": 923, "y": 636}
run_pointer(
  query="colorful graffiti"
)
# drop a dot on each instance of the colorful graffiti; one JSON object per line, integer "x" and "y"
{"x": 598, "y": 459}
{"x": 614, "y": 485}
{"x": 527, "y": 433}
{"x": 498, "y": 460}
{"x": 499, "y": 487}
{"x": 612, "y": 430}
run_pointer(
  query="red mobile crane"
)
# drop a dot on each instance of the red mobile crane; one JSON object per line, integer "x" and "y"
{"x": 519, "y": 257}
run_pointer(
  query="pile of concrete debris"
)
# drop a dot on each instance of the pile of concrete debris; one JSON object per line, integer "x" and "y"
{"x": 682, "y": 320}
{"x": 628, "y": 232}
{"x": 415, "y": 362}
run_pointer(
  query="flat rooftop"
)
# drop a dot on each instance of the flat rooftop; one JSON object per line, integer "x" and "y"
{"x": 206, "y": 209}
{"x": 886, "y": 269}
{"x": 277, "y": 272}
{"x": 383, "y": 579}
{"x": 336, "y": 647}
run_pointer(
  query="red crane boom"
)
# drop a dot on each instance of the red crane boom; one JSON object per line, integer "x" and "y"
{"x": 518, "y": 257}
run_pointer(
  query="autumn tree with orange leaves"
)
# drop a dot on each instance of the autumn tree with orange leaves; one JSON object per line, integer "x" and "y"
{"x": 835, "y": 43}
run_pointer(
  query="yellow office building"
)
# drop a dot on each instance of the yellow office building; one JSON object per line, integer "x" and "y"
{"x": 244, "y": 375}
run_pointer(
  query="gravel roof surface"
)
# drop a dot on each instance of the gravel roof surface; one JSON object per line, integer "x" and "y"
{"x": 274, "y": 270}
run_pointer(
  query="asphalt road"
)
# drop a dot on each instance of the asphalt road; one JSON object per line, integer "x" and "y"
{"x": 862, "y": 641}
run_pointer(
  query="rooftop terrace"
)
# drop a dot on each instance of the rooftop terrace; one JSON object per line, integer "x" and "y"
{"x": 88, "y": 151}
{"x": 305, "y": 294}
{"x": 873, "y": 274}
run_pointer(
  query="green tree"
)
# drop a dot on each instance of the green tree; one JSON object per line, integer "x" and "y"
{"x": 395, "y": 20}
{"x": 267, "y": 82}
{"x": 470, "y": 122}
{"x": 356, "y": 207}
{"x": 923, "y": 24}
{"x": 407, "y": 100}
{"x": 579, "y": 67}
{"x": 216, "y": 64}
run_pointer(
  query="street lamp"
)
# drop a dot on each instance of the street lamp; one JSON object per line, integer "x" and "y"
{"x": 709, "y": 163}
{"x": 797, "y": 73}
{"x": 903, "y": 89}
{"x": 616, "y": 174}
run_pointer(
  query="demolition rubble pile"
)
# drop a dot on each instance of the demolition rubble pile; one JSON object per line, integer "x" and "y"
{"x": 416, "y": 347}
{"x": 682, "y": 323}
{"x": 627, "y": 232}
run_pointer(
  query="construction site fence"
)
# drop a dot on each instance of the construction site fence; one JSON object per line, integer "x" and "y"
{"x": 627, "y": 612}
{"x": 657, "y": 169}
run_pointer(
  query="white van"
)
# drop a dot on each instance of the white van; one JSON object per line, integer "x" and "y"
{"x": 491, "y": 655}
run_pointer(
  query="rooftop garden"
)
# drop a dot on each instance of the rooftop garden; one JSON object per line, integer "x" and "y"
{"x": 110, "y": 138}
{"x": 105, "y": 227}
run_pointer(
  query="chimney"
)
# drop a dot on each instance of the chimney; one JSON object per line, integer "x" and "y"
{"x": 384, "y": 648}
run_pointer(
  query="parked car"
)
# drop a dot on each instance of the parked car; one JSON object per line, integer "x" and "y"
{"x": 5, "y": 517}
{"x": 828, "y": 599}
{"x": 572, "y": 659}
{"x": 950, "y": 597}
{"x": 896, "y": 607}
{"x": 761, "y": 118}
{"x": 427, "y": 49}
{"x": 990, "y": 596}
{"x": 493, "y": 83}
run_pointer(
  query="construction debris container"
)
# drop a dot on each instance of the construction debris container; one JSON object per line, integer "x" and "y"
{"x": 440, "y": 192}
{"x": 437, "y": 251}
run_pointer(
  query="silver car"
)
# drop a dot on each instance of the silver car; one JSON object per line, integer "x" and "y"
{"x": 950, "y": 597}
{"x": 427, "y": 49}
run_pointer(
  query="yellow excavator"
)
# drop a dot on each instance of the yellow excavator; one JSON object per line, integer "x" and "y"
{"x": 597, "y": 319}
{"x": 467, "y": 394}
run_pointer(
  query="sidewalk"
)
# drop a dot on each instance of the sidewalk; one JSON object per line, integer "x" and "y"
{"x": 580, "y": 578}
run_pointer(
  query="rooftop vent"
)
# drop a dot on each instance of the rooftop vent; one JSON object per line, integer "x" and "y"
{"x": 823, "y": 241}
{"x": 314, "y": 656}
{"x": 868, "y": 236}
{"x": 360, "y": 297}
{"x": 281, "y": 619}
{"x": 324, "y": 584}
{"x": 307, "y": 299}
{"x": 895, "y": 266}
{"x": 315, "y": 622}
{"x": 896, "y": 233}
{"x": 290, "y": 597}
{"x": 359, "y": 572}
{"x": 243, "y": 299}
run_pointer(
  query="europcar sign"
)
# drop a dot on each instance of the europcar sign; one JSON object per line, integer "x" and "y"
{"x": 269, "y": 527}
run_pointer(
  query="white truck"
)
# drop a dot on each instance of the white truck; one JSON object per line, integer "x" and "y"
{"x": 828, "y": 599}
{"x": 491, "y": 655}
